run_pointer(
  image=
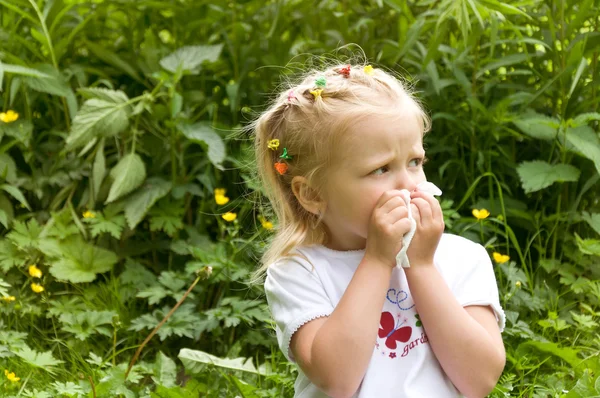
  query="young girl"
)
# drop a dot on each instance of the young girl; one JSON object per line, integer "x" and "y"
{"x": 333, "y": 153}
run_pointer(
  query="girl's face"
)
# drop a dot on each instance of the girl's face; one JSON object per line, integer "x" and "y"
{"x": 377, "y": 155}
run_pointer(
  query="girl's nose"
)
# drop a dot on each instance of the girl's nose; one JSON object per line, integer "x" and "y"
{"x": 406, "y": 181}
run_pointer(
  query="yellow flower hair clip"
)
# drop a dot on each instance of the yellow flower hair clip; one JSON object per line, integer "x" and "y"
{"x": 368, "y": 70}
{"x": 273, "y": 144}
{"x": 317, "y": 92}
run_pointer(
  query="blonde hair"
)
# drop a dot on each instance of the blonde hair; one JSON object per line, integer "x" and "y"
{"x": 310, "y": 126}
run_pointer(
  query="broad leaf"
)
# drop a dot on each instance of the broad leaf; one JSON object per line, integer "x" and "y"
{"x": 8, "y": 168}
{"x": 128, "y": 174}
{"x": 538, "y": 174}
{"x": 584, "y": 140}
{"x": 79, "y": 261}
{"x": 24, "y": 71}
{"x": 538, "y": 126}
{"x": 98, "y": 170}
{"x": 588, "y": 246}
{"x": 98, "y": 118}
{"x": 204, "y": 134}
{"x": 139, "y": 203}
{"x": 593, "y": 220}
{"x": 42, "y": 360}
{"x": 194, "y": 361}
{"x": 165, "y": 371}
{"x": 190, "y": 58}
{"x": 105, "y": 94}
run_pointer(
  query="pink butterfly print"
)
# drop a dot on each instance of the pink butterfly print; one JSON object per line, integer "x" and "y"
{"x": 391, "y": 332}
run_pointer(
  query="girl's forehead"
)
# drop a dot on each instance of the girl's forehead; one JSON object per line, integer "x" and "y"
{"x": 373, "y": 135}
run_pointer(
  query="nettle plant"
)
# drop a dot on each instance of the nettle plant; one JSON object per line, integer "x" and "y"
{"x": 114, "y": 207}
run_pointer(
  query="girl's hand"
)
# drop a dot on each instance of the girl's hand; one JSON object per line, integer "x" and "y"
{"x": 387, "y": 226}
{"x": 427, "y": 212}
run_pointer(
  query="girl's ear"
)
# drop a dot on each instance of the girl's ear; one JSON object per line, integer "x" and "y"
{"x": 307, "y": 196}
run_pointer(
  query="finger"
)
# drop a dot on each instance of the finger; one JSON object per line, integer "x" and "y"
{"x": 424, "y": 210}
{"x": 397, "y": 213}
{"x": 393, "y": 203}
{"x": 403, "y": 226}
{"x": 436, "y": 209}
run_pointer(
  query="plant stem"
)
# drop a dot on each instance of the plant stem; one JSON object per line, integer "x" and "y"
{"x": 165, "y": 319}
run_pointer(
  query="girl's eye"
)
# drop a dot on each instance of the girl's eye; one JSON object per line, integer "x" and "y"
{"x": 380, "y": 170}
{"x": 416, "y": 162}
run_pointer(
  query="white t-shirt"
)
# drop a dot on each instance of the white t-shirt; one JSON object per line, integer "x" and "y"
{"x": 403, "y": 363}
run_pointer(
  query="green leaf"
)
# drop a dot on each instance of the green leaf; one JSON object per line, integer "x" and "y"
{"x": 191, "y": 57}
{"x": 164, "y": 371}
{"x": 538, "y": 126}
{"x": 98, "y": 118}
{"x": 154, "y": 294}
{"x": 103, "y": 223}
{"x": 98, "y": 170}
{"x": 105, "y": 94}
{"x": 79, "y": 261}
{"x": 8, "y": 168}
{"x": 569, "y": 355}
{"x": 24, "y": 71}
{"x": 593, "y": 220}
{"x": 584, "y": 140}
{"x": 21, "y": 130}
{"x": 194, "y": 361}
{"x": 15, "y": 193}
{"x": 538, "y": 174}
{"x": 183, "y": 322}
{"x": 85, "y": 323}
{"x": 42, "y": 360}
{"x": 588, "y": 246}
{"x": 53, "y": 83}
{"x": 167, "y": 216}
{"x": 9, "y": 255}
{"x": 203, "y": 133}
{"x": 139, "y": 203}
{"x": 69, "y": 389}
{"x": 25, "y": 235}
{"x": 128, "y": 174}
{"x": 7, "y": 212}
{"x": 585, "y": 118}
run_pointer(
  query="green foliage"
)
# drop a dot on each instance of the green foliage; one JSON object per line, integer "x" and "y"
{"x": 126, "y": 116}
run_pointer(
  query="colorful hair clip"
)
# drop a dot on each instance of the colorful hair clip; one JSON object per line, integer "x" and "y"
{"x": 316, "y": 93}
{"x": 368, "y": 70}
{"x": 285, "y": 155}
{"x": 321, "y": 81}
{"x": 273, "y": 144}
{"x": 345, "y": 71}
{"x": 281, "y": 167}
{"x": 291, "y": 95}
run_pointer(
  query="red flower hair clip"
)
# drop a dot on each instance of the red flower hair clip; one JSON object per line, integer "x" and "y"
{"x": 345, "y": 71}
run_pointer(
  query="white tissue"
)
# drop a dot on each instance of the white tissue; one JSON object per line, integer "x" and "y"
{"x": 427, "y": 187}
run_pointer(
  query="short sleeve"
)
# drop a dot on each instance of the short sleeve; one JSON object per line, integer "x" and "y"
{"x": 477, "y": 284}
{"x": 295, "y": 295}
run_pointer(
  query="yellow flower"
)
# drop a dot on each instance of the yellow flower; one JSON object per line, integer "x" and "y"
{"x": 8, "y": 299}
{"x": 11, "y": 376}
{"x": 368, "y": 70}
{"x": 500, "y": 258}
{"x": 229, "y": 216}
{"x": 265, "y": 224}
{"x": 220, "y": 197}
{"x": 35, "y": 271}
{"x": 518, "y": 284}
{"x": 273, "y": 144}
{"x": 36, "y": 287}
{"x": 481, "y": 214}
{"x": 89, "y": 214}
{"x": 9, "y": 117}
